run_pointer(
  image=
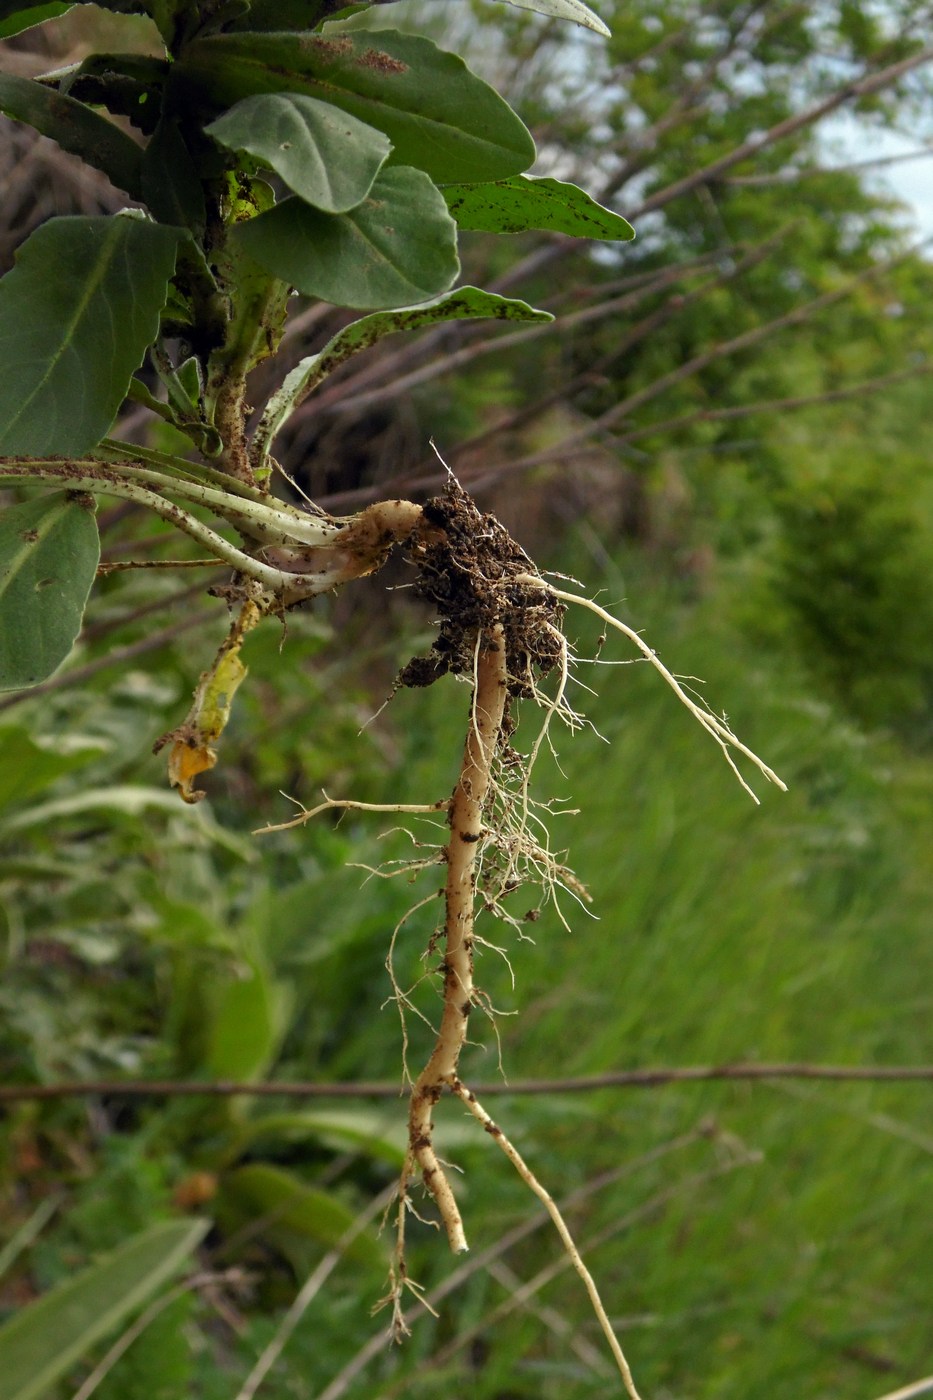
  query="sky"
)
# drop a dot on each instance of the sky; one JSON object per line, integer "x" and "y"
{"x": 908, "y": 180}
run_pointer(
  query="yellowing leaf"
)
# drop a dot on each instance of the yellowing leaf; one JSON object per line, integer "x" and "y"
{"x": 191, "y": 751}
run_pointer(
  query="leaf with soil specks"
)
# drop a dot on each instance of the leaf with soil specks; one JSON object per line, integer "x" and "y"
{"x": 463, "y": 304}
{"x": 49, "y": 550}
{"x": 524, "y": 202}
{"x": 440, "y": 117}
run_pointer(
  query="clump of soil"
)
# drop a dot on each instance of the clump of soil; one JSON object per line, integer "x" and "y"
{"x": 476, "y": 576}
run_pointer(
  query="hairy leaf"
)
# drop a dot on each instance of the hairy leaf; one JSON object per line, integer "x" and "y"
{"x": 522, "y": 203}
{"x": 438, "y": 115}
{"x": 49, "y": 550}
{"x": 398, "y": 246}
{"x": 565, "y": 9}
{"x": 325, "y": 155}
{"x": 76, "y": 315}
{"x": 15, "y": 17}
{"x": 466, "y": 303}
{"x": 42, "y": 1342}
{"x": 75, "y": 127}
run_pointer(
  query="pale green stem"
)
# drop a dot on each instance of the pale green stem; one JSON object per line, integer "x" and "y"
{"x": 131, "y": 491}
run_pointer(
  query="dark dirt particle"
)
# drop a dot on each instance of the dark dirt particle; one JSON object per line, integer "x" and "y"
{"x": 468, "y": 566}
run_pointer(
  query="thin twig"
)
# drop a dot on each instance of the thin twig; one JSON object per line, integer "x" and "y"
{"x": 650, "y": 1078}
{"x": 349, "y": 805}
{"x": 531, "y": 1181}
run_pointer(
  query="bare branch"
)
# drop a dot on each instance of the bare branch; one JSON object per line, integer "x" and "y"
{"x": 648, "y": 1078}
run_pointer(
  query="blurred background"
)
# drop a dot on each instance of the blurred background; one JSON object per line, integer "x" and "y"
{"x": 726, "y": 438}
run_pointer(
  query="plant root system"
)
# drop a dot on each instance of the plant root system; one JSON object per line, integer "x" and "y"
{"x": 499, "y": 628}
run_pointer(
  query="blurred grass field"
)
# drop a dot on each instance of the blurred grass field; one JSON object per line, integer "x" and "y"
{"x": 749, "y": 1239}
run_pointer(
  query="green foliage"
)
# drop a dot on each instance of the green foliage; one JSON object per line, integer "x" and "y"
{"x": 520, "y": 204}
{"x": 329, "y": 160}
{"x": 75, "y": 127}
{"x": 89, "y": 1306}
{"x": 49, "y": 548}
{"x": 853, "y": 569}
{"x": 396, "y": 246}
{"x": 15, "y": 17}
{"x": 358, "y": 135}
{"x": 77, "y": 314}
{"x": 438, "y": 115}
{"x": 794, "y": 932}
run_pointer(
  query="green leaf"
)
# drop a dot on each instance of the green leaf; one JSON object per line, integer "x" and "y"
{"x": 170, "y": 185}
{"x": 438, "y": 115}
{"x": 75, "y": 127}
{"x": 42, "y": 1342}
{"x": 522, "y": 203}
{"x": 370, "y": 1132}
{"x": 27, "y": 766}
{"x": 49, "y": 551}
{"x": 573, "y": 10}
{"x": 14, "y": 18}
{"x": 398, "y": 246}
{"x": 288, "y": 14}
{"x": 27, "y": 1232}
{"x": 247, "y": 1028}
{"x": 466, "y": 303}
{"x": 76, "y": 315}
{"x": 325, "y": 155}
{"x": 299, "y": 1220}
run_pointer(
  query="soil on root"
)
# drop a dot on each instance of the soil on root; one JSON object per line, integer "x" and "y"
{"x": 469, "y": 569}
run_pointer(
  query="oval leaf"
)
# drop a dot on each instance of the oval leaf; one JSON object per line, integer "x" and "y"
{"x": 44, "y": 1340}
{"x": 49, "y": 550}
{"x": 325, "y": 155}
{"x": 438, "y": 115}
{"x": 76, "y": 315}
{"x": 466, "y": 303}
{"x": 74, "y": 127}
{"x": 522, "y": 203}
{"x": 398, "y": 246}
{"x": 565, "y": 9}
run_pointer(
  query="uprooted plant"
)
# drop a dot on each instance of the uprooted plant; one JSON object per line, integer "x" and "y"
{"x": 335, "y": 163}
